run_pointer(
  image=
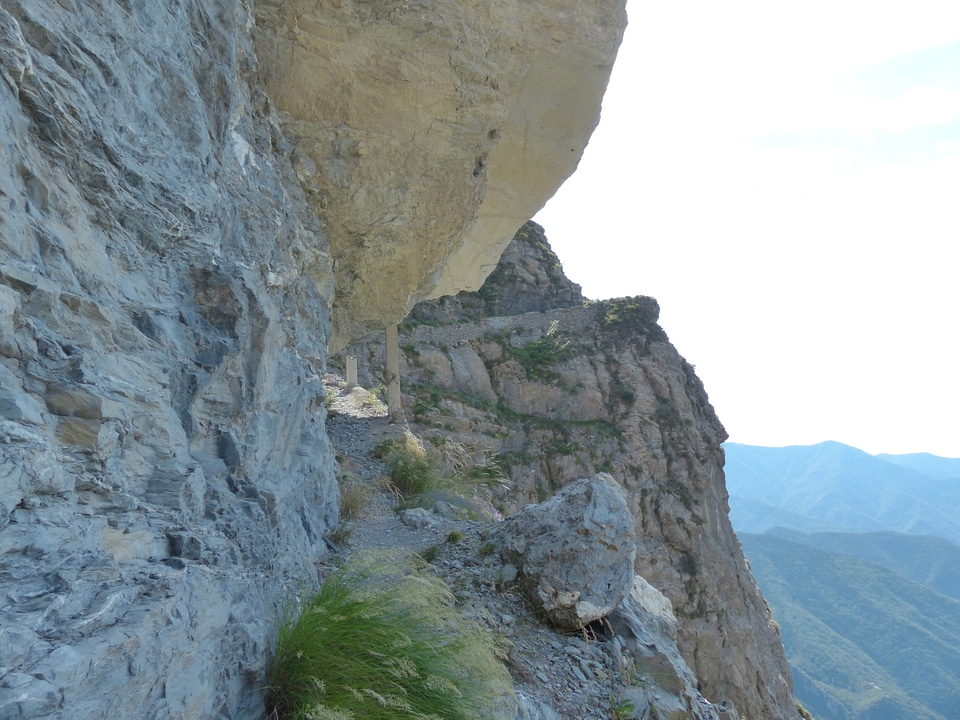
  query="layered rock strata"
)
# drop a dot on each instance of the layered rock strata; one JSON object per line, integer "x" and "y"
{"x": 165, "y": 478}
{"x": 428, "y": 131}
{"x": 557, "y": 395}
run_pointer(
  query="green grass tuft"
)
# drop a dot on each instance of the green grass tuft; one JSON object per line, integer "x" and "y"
{"x": 354, "y": 494}
{"x": 381, "y": 641}
{"x": 412, "y": 474}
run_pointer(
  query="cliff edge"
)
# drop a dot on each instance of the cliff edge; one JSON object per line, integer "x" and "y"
{"x": 571, "y": 388}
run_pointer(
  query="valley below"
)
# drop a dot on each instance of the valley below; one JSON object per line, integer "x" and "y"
{"x": 857, "y": 556}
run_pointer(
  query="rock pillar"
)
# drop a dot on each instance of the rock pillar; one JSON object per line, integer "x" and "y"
{"x": 351, "y": 371}
{"x": 393, "y": 371}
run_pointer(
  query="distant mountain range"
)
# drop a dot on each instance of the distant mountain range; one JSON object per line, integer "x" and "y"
{"x": 859, "y": 558}
{"x": 926, "y": 464}
{"x": 833, "y": 487}
{"x": 863, "y": 641}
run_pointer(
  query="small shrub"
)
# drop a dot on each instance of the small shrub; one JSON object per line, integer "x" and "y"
{"x": 340, "y": 534}
{"x": 411, "y": 472}
{"x": 538, "y": 356}
{"x": 381, "y": 641}
{"x": 621, "y": 709}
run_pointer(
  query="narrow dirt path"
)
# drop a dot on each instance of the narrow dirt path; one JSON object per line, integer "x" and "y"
{"x": 575, "y": 674}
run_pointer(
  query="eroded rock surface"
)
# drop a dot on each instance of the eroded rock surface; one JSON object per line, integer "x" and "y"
{"x": 574, "y": 552}
{"x": 646, "y": 626}
{"x": 165, "y": 478}
{"x": 428, "y": 131}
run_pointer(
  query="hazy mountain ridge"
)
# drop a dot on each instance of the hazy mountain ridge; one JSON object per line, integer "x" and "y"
{"x": 834, "y": 487}
{"x": 926, "y": 559}
{"x": 868, "y": 616}
{"x": 941, "y": 468}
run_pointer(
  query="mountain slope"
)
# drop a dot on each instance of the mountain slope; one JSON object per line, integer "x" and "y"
{"x": 831, "y": 486}
{"x": 925, "y": 559}
{"x": 933, "y": 465}
{"x": 863, "y": 642}
{"x": 546, "y": 395}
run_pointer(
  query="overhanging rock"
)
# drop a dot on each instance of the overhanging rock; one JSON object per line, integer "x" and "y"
{"x": 427, "y": 131}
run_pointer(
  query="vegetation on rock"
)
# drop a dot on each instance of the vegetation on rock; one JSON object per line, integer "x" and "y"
{"x": 420, "y": 478}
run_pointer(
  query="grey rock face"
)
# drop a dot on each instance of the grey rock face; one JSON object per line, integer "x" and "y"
{"x": 528, "y": 278}
{"x": 165, "y": 478}
{"x": 664, "y": 685}
{"x": 530, "y": 708}
{"x": 575, "y": 552}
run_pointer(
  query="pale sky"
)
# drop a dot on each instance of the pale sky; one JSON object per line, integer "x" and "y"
{"x": 785, "y": 179}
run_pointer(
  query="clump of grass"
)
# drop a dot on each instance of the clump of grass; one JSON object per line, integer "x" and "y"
{"x": 382, "y": 641}
{"x": 353, "y": 496}
{"x": 411, "y": 472}
{"x": 455, "y": 536}
{"x": 340, "y": 534}
{"x": 421, "y": 477}
{"x": 487, "y": 548}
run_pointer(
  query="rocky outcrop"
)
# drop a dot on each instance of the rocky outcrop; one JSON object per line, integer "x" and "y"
{"x": 646, "y": 626}
{"x": 550, "y": 397}
{"x": 574, "y": 552}
{"x": 528, "y": 278}
{"x": 428, "y": 131}
{"x": 165, "y": 478}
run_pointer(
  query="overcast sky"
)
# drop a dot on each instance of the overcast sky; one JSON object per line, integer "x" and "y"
{"x": 785, "y": 179}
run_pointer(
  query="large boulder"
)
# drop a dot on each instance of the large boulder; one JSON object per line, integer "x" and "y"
{"x": 574, "y": 552}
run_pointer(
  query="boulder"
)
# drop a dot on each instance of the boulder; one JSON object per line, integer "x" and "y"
{"x": 574, "y": 552}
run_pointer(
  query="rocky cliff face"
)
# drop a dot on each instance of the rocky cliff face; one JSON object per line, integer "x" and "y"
{"x": 165, "y": 479}
{"x": 165, "y": 293}
{"x": 555, "y": 395}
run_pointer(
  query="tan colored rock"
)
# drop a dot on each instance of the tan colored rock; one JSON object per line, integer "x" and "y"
{"x": 428, "y": 131}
